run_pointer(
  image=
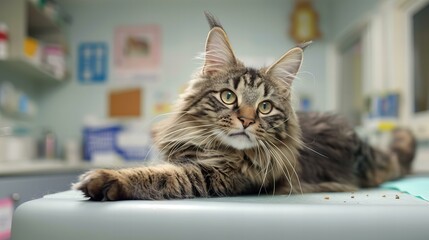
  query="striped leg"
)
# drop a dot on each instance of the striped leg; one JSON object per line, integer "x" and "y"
{"x": 159, "y": 182}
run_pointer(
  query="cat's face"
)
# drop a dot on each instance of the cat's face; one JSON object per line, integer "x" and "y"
{"x": 243, "y": 107}
{"x": 239, "y": 106}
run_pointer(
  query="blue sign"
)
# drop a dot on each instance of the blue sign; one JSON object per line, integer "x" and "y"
{"x": 92, "y": 62}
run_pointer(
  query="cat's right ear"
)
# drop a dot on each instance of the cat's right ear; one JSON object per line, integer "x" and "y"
{"x": 218, "y": 55}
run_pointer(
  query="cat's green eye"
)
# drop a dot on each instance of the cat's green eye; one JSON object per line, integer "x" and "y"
{"x": 228, "y": 97}
{"x": 265, "y": 107}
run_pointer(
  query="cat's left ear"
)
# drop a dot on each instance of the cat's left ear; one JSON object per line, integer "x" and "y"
{"x": 288, "y": 65}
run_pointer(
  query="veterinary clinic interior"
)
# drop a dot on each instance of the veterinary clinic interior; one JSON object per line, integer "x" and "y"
{"x": 83, "y": 81}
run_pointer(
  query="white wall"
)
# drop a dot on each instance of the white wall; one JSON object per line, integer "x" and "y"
{"x": 255, "y": 28}
{"x": 345, "y": 13}
{"x": 346, "y": 18}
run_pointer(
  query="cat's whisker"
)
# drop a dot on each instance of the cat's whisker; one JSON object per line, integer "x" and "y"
{"x": 179, "y": 140}
{"x": 298, "y": 141}
{"x": 178, "y": 123}
{"x": 253, "y": 159}
{"x": 216, "y": 136}
{"x": 175, "y": 147}
{"x": 152, "y": 146}
{"x": 274, "y": 183}
{"x": 281, "y": 164}
{"x": 291, "y": 165}
{"x": 304, "y": 145}
{"x": 172, "y": 113}
{"x": 166, "y": 137}
{"x": 300, "y": 80}
{"x": 295, "y": 161}
{"x": 208, "y": 144}
{"x": 260, "y": 163}
{"x": 178, "y": 117}
{"x": 267, "y": 167}
{"x": 178, "y": 146}
{"x": 272, "y": 174}
{"x": 188, "y": 135}
{"x": 213, "y": 135}
{"x": 257, "y": 159}
{"x": 166, "y": 114}
{"x": 179, "y": 133}
{"x": 278, "y": 125}
{"x": 267, "y": 155}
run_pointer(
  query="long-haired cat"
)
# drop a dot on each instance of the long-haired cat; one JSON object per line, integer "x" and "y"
{"x": 235, "y": 132}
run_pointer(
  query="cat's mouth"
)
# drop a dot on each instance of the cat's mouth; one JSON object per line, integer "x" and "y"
{"x": 244, "y": 134}
{"x": 239, "y": 140}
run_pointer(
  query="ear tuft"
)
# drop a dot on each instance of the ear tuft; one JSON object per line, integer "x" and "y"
{"x": 304, "y": 45}
{"x": 219, "y": 55}
{"x": 287, "y": 66}
{"x": 212, "y": 20}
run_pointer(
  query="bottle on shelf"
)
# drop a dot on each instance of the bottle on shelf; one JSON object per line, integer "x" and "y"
{"x": 49, "y": 145}
{"x": 4, "y": 38}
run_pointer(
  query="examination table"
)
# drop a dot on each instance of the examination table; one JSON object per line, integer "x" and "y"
{"x": 363, "y": 215}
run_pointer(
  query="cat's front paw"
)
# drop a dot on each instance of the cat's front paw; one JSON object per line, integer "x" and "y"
{"x": 103, "y": 185}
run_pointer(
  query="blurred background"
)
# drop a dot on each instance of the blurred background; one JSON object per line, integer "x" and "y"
{"x": 82, "y": 81}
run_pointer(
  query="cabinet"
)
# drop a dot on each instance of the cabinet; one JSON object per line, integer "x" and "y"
{"x": 30, "y": 187}
{"x": 26, "y": 19}
{"x": 34, "y": 179}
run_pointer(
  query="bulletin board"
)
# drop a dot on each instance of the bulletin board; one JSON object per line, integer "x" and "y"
{"x": 125, "y": 103}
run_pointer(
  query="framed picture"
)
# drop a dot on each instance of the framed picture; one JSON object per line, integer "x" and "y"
{"x": 137, "y": 52}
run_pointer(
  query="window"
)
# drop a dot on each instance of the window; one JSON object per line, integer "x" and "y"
{"x": 420, "y": 34}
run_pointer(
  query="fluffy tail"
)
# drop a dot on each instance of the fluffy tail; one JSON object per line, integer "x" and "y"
{"x": 376, "y": 166}
{"x": 403, "y": 145}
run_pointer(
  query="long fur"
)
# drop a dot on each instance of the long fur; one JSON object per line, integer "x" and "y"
{"x": 212, "y": 147}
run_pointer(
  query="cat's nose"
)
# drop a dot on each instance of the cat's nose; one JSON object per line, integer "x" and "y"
{"x": 246, "y": 121}
{"x": 246, "y": 115}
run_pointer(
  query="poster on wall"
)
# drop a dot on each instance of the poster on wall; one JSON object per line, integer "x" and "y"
{"x": 137, "y": 53}
{"x": 92, "y": 62}
{"x": 163, "y": 102}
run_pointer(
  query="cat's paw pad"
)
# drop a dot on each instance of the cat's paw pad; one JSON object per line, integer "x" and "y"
{"x": 102, "y": 185}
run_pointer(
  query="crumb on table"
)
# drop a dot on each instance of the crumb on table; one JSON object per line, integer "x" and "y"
{"x": 352, "y": 196}
{"x": 327, "y": 198}
{"x": 384, "y": 196}
{"x": 397, "y": 196}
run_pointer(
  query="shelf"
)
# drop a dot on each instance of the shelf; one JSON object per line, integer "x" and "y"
{"x": 7, "y": 169}
{"x": 54, "y": 166}
{"x": 25, "y": 19}
{"x": 39, "y": 22}
{"x": 27, "y": 69}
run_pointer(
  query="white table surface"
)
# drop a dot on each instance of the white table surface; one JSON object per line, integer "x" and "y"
{"x": 367, "y": 214}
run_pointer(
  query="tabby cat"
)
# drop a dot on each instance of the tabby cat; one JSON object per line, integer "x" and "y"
{"x": 235, "y": 132}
